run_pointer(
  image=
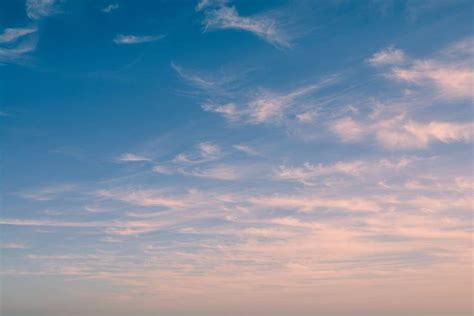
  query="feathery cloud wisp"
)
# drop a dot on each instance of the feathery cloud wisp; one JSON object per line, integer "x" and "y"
{"x": 128, "y": 157}
{"x": 12, "y": 34}
{"x": 121, "y": 39}
{"x": 111, "y": 7}
{"x": 37, "y": 9}
{"x": 263, "y": 26}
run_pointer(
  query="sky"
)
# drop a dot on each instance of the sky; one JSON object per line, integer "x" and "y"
{"x": 222, "y": 157}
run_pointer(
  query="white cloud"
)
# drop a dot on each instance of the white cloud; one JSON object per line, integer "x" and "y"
{"x": 400, "y": 132}
{"x": 246, "y": 149}
{"x": 128, "y": 157}
{"x": 193, "y": 78}
{"x": 121, "y": 39}
{"x": 204, "y": 4}
{"x": 264, "y": 26}
{"x": 388, "y": 56}
{"x": 450, "y": 72}
{"x": 17, "y": 53}
{"x": 162, "y": 169}
{"x": 111, "y": 7}
{"x": 411, "y": 134}
{"x": 268, "y": 106}
{"x": 228, "y": 111}
{"x": 206, "y": 151}
{"x": 348, "y": 129}
{"x": 209, "y": 150}
{"x": 37, "y": 9}
{"x": 452, "y": 80}
{"x": 216, "y": 172}
{"x": 12, "y": 34}
{"x": 308, "y": 173}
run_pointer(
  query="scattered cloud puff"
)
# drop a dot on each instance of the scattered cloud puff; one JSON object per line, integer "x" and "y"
{"x": 128, "y": 157}
{"x": 121, "y": 39}
{"x": 388, "y": 56}
{"x": 37, "y": 9}
{"x": 111, "y": 7}
{"x": 220, "y": 16}
{"x": 401, "y": 132}
{"x": 450, "y": 72}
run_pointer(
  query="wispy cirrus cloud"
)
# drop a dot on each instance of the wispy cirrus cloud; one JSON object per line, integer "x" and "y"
{"x": 310, "y": 174}
{"x": 129, "y": 157}
{"x": 218, "y": 15}
{"x": 267, "y": 106}
{"x": 205, "y": 151}
{"x": 122, "y": 39}
{"x": 111, "y": 7}
{"x": 219, "y": 172}
{"x": 12, "y": 34}
{"x": 246, "y": 149}
{"x": 16, "y": 44}
{"x": 37, "y": 9}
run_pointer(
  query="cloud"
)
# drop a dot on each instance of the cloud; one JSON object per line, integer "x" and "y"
{"x": 268, "y": 106}
{"x": 16, "y": 43}
{"x": 308, "y": 173}
{"x": 452, "y": 80}
{"x": 121, "y": 39}
{"x": 307, "y": 204}
{"x": 348, "y": 129}
{"x": 246, "y": 149}
{"x": 13, "y": 245}
{"x": 37, "y": 9}
{"x": 204, "y": 4}
{"x": 413, "y": 134}
{"x": 141, "y": 197}
{"x": 401, "y": 132}
{"x": 111, "y": 7}
{"x": 209, "y": 150}
{"x": 216, "y": 172}
{"x": 128, "y": 157}
{"x": 388, "y": 56}
{"x": 449, "y": 72}
{"x": 162, "y": 169}
{"x": 206, "y": 151}
{"x": 263, "y": 26}
{"x": 12, "y": 34}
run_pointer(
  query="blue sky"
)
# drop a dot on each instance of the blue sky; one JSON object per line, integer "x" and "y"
{"x": 236, "y": 157}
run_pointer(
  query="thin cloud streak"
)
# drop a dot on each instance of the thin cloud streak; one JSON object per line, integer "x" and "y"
{"x": 122, "y": 39}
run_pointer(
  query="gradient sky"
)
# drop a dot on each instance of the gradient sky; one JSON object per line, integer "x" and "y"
{"x": 236, "y": 157}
